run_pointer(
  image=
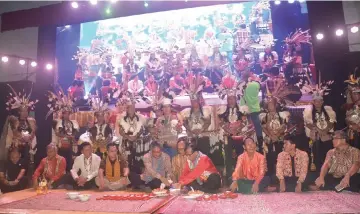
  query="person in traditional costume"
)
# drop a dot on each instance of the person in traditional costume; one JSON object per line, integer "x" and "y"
{"x": 199, "y": 172}
{"x": 101, "y": 133}
{"x": 150, "y": 86}
{"x": 268, "y": 58}
{"x": 250, "y": 98}
{"x": 19, "y": 131}
{"x": 158, "y": 172}
{"x": 154, "y": 66}
{"x": 274, "y": 122}
{"x": 51, "y": 168}
{"x": 85, "y": 168}
{"x": 13, "y": 173}
{"x": 217, "y": 64}
{"x": 292, "y": 167}
{"x": 353, "y": 111}
{"x": 131, "y": 128}
{"x": 341, "y": 166}
{"x": 178, "y": 162}
{"x": 249, "y": 175}
{"x": 168, "y": 127}
{"x": 242, "y": 61}
{"x": 176, "y": 83}
{"x": 197, "y": 118}
{"x": 135, "y": 85}
{"x": 234, "y": 122}
{"x": 195, "y": 64}
{"x": 319, "y": 122}
{"x": 114, "y": 170}
{"x": 65, "y": 129}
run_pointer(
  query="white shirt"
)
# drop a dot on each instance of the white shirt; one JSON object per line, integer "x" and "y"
{"x": 89, "y": 167}
{"x": 135, "y": 86}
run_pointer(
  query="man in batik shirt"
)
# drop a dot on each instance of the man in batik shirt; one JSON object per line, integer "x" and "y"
{"x": 292, "y": 166}
{"x": 113, "y": 170}
{"x": 341, "y": 166}
{"x": 249, "y": 175}
{"x": 179, "y": 161}
{"x": 52, "y": 168}
{"x": 157, "y": 169}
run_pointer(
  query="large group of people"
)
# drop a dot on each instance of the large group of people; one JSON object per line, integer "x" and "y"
{"x": 254, "y": 144}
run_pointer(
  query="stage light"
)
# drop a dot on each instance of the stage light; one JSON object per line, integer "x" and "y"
{"x": 49, "y": 66}
{"x": 291, "y": 1}
{"x": 74, "y": 4}
{"x": 319, "y": 36}
{"x": 339, "y": 32}
{"x": 186, "y": 0}
{"x": 93, "y": 2}
{"x": 86, "y": 97}
{"x": 4, "y": 59}
{"x": 108, "y": 11}
{"x": 22, "y": 62}
{"x": 277, "y": 2}
{"x": 146, "y": 4}
{"x": 113, "y": 1}
{"x": 354, "y": 29}
{"x": 67, "y": 26}
{"x": 33, "y": 64}
{"x": 301, "y": 1}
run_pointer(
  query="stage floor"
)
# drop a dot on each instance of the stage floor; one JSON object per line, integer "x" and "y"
{"x": 56, "y": 202}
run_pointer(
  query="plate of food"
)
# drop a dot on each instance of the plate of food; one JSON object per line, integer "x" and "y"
{"x": 160, "y": 192}
{"x": 194, "y": 194}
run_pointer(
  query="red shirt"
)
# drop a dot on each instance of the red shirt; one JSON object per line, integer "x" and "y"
{"x": 203, "y": 167}
{"x": 52, "y": 169}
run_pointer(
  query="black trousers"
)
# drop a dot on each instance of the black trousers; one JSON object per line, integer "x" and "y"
{"x": 23, "y": 183}
{"x": 230, "y": 161}
{"x": 274, "y": 149}
{"x": 61, "y": 181}
{"x": 203, "y": 144}
{"x": 211, "y": 185}
{"x": 291, "y": 183}
{"x": 355, "y": 142}
{"x": 331, "y": 183}
{"x": 68, "y": 155}
{"x": 320, "y": 150}
{"x": 68, "y": 179}
{"x": 136, "y": 182}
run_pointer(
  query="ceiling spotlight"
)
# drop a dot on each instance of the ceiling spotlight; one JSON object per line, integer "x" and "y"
{"x": 146, "y": 4}
{"x": 108, "y": 11}
{"x": 49, "y": 66}
{"x": 33, "y": 64}
{"x": 22, "y": 62}
{"x": 74, "y": 4}
{"x": 291, "y": 1}
{"x": 319, "y": 36}
{"x": 67, "y": 26}
{"x": 354, "y": 29}
{"x": 301, "y": 1}
{"x": 113, "y": 1}
{"x": 4, "y": 59}
{"x": 277, "y": 2}
{"x": 339, "y": 32}
{"x": 93, "y": 2}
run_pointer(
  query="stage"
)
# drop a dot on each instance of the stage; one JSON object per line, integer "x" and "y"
{"x": 56, "y": 202}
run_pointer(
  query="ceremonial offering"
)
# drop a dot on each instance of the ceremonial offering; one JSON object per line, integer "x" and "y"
{"x": 194, "y": 194}
{"x": 132, "y": 197}
{"x": 42, "y": 187}
{"x": 72, "y": 195}
{"x": 175, "y": 191}
{"x": 160, "y": 192}
{"x": 84, "y": 197}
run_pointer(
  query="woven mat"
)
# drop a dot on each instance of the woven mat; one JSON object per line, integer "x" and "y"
{"x": 282, "y": 203}
{"x": 59, "y": 201}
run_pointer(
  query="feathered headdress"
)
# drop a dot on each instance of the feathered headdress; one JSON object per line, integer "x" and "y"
{"x": 194, "y": 86}
{"x": 229, "y": 87}
{"x": 99, "y": 106}
{"x": 298, "y": 37}
{"x": 59, "y": 101}
{"x": 353, "y": 82}
{"x": 281, "y": 93}
{"x": 20, "y": 100}
{"x": 317, "y": 91}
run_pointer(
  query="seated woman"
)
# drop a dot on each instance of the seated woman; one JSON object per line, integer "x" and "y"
{"x": 12, "y": 176}
{"x": 249, "y": 175}
{"x": 113, "y": 170}
{"x": 52, "y": 168}
{"x": 200, "y": 173}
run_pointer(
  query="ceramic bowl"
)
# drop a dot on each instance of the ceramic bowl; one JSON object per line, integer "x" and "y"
{"x": 84, "y": 197}
{"x": 175, "y": 191}
{"x": 72, "y": 195}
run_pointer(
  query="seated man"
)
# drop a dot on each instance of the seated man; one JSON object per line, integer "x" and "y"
{"x": 12, "y": 176}
{"x": 88, "y": 165}
{"x": 199, "y": 171}
{"x": 179, "y": 161}
{"x": 292, "y": 166}
{"x": 249, "y": 175}
{"x": 113, "y": 170}
{"x": 52, "y": 168}
{"x": 157, "y": 169}
{"x": 341, "y": 165}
